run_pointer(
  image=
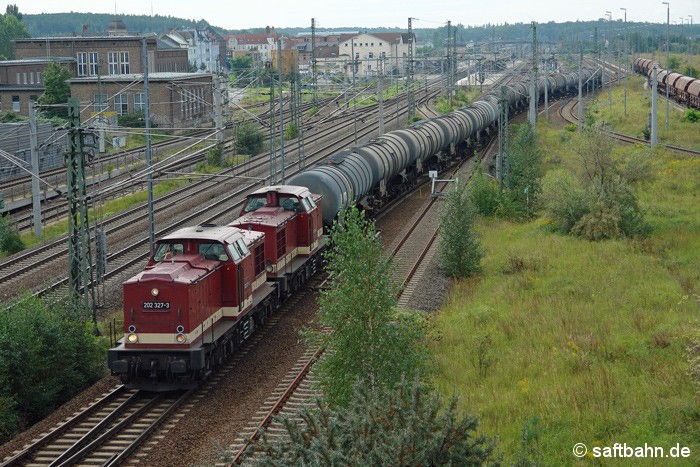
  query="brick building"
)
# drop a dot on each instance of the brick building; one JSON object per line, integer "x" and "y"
{"x": 178, "y": 100}
{"x": 22, "y": 81}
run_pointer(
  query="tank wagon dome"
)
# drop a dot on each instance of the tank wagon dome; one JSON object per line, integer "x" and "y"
{"x": 329, "y": 182}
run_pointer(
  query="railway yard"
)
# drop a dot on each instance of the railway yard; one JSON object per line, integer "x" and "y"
{"x": 272, "y": 372}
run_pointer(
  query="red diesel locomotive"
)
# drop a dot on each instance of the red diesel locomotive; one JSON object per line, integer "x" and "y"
{"x": 206, "y": 288}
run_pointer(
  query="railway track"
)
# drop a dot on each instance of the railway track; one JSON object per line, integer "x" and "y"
{"x": 15, "y": 269}
{"x": 105, "y": 433}
{"x": 411, "y": 254}
{"x": 568, "y": 111}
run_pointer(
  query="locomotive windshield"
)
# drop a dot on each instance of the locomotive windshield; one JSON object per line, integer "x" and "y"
{"x": 255, "y": 202}
{"x": 168, "y": 251}
{"x": 213, "y": 251}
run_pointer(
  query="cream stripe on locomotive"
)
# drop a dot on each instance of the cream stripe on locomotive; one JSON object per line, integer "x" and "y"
{"x": 259, "y": 281}
{"x": 288, "y": 258}
{"x": 167, "y": 338}
{"x": 234, "y": 310}
{"x": 305, "y": 250}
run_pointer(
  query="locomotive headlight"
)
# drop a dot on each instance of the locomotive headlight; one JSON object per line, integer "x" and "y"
{"x": 155, "y": 292}
{"x": 268, "y": 265}
{"x": 132, "y": 338}
{"x": 180, "y": 338}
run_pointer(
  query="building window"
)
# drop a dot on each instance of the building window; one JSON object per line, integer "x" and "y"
{"x": 380, "y": 44}
{"x": 24, "y": 77}
{"x": 94, "y": 64}
{"x": 372, "y": 44}
{"x": 121, "y": 104}
{"x": 100, "y": 102}
{"x": 82, "y": 64}
{"x": 18, "y": 78}
{"x": 34, "y": 98}
{"x": 139, "y": 102}
{"x": 371, "y": 55}
{"x": 124, "y": 62}
{"x": 15, "y": 103}
{"x": 38, "y": 77}
{"x": 31, "y": 77}
{"x": 113, "y": 63}
{"x": 383, "y": 55}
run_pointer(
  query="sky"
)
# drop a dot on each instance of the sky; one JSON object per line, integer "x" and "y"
{"x": 239, "y": 14}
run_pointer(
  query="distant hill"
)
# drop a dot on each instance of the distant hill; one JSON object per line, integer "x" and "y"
{"x": 64, "y": 24}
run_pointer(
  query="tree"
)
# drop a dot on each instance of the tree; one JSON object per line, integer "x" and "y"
{"x": 11, "y": 27}
{"x": 249, "y": 139}
{"x": 56, "y": 89}
{"x": 370, "y": 342}
{"x": 406, "y": 426}
{"x": 525, "y": 171}
{"x": 14, "y": 11}
{"x": 460, "y": 250}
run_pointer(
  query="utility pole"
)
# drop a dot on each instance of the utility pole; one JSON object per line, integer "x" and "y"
{"x": 502, "y": 162}
{"x": 596, "y": 57}
{"x": 449, "y": 63}
{"x": 533, "y": 79}
{"x": 654, "y": 97}
{"x": 354, "y": 98}
{"x": 279, "y": 78}
{"x": 690, "y": 47}
{"x": 580, "y": 88}
{"x": 36, "y": 195}
{"x": 217, "y": 109}
{"x": 668, "y": 58}
{"x": 313, "y": 61}
{"x": 147, "y": 116}
{"x": 79, "y": 256}
{"x": 409, "y": 77}
{"x": 380, "y": 96}
{"x": 626, "y": 62}
{"x": 607, "y": 42}
{"x": 273, "y": 119}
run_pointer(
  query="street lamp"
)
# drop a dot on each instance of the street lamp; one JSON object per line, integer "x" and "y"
{"x": 668, "y": 59}
{"x": 626, "y": 60}
{"x": 690, "y": 47}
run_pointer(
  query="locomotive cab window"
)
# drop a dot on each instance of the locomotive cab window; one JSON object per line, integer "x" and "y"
{"x": 168, "y": 251}
{"x": 234, "y": 252}
{"x": 291, "y": 204}
{"x": 254, "y": 203}
{"x": 307, "y": 204}
{"x": 213, "y": 251}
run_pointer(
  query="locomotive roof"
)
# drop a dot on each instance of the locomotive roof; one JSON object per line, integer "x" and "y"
{"x": 300, "y": 191}
{"x": 220, "y": 233}
{"x": 274, "y": 216}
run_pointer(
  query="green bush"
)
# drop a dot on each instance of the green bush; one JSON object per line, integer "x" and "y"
{"x": 48, "y": 355}
{"x": 10, "y": 239}
{"x": 483, "y": 192}
{"x": 249, "y": 139}
{"x": 691, "y": 115}
{"x": 572, "y": 127}
{"x": 215, "y": 155}
{"x": 133, "y": 120}
{"x": 291, "y": 131}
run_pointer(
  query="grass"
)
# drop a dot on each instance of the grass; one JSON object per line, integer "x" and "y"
{"x": 587, "y": 338}
{"x": 680, "y": 133}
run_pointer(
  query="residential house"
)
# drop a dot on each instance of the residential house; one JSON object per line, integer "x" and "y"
{"x": 206, "y": 49}
{"x": 371, "y": 52}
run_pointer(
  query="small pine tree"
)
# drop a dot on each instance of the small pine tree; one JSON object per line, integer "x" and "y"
{"x": 249, "y": 140}
{"x": 407, "y": 426}
{"x": 460, "y": 250}
{"x": 370, "y": 341}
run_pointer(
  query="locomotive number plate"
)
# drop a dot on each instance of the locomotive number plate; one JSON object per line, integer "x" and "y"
{"x": 156, "y": 305}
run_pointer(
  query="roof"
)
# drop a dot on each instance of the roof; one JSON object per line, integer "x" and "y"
{"x": 390, "y": 37}
{"x": 22, "y": 87}
{"x": 161, "y": 76}
{"x": 300, "y": 191}
{"x": 273, "y": 216}
{"x": 37, "y": 60}
{"x": 219, "y": 233}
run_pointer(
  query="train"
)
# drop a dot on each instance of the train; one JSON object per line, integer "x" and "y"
{"x": 206, "y": 288}
{"x": 683, "y": 89}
